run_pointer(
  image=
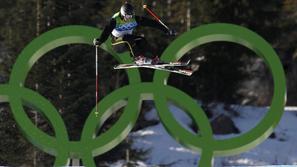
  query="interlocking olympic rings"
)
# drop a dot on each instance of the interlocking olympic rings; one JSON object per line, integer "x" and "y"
{"x": 130, "y": 97}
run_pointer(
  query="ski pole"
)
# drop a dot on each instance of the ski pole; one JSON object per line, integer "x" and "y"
{"x": 97, "y": 85}
{"x": 155, "y": 16}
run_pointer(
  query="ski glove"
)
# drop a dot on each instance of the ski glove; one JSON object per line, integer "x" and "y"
{"x": 97, "y": 42}
{"x": 171, "y": 32}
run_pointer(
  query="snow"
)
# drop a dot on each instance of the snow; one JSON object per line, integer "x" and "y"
{"x": 282, "y": 150}
{"x": 164, "y": 150}
{"x": 123, "y": 163}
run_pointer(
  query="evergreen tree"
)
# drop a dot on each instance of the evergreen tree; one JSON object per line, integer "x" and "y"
{"x": 70, "y": 70}
{"x": 15, "y": 149}
{"x": 225, "y": 66}
{"x": 286, "y": 46}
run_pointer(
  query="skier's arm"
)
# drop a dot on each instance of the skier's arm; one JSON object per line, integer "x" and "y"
{"x": 142, "y": 21}
{"x": 107, "y": 31}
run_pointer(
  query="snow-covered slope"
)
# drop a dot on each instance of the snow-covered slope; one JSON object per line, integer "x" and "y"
{"x": 166, "y": 151}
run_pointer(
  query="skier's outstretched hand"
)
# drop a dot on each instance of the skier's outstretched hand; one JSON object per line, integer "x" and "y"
{"x": 171, "y": 32}
{"x": 97, "y": 42}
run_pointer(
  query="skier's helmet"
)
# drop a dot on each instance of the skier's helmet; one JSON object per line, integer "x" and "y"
{"x": 127, "y": 11}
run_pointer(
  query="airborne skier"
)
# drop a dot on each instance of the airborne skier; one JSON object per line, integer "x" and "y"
{"x": 121, "y": 27}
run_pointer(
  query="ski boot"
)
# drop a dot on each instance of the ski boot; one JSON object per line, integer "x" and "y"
{"x": 155, "y": 60}
{"x": 141, "y": 60}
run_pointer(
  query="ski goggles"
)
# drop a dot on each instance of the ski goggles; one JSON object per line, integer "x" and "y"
{"x": 128, "y": 16}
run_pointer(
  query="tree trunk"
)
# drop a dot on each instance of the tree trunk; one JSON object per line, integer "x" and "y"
{"x": 38, "y": 17}
{"x": 188, "y": 15}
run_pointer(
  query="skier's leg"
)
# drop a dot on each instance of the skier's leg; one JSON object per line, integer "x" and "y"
{"x": 139, "y": 48}
{"x": 136, "y": 53}
{"x": 144, "y": 47}
{"x": 131, "y": 39}
{"x": 121, "y": 46}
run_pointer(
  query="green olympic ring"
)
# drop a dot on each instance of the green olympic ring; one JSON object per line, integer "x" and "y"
{"x": 236, "y": 34}
{"x": 130, "y": 98}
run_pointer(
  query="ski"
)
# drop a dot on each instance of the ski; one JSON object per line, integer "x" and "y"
{"x": 160, "y": 65}
{"x": 173, "y": 69}
{"x": 176, "y": 70}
